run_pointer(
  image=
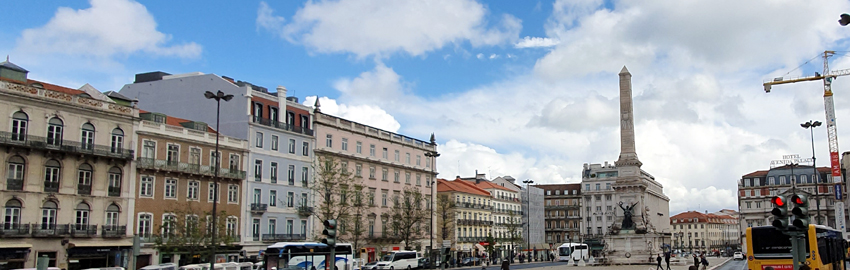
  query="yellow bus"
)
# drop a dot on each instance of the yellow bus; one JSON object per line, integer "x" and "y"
{"x": 768, "y": 247}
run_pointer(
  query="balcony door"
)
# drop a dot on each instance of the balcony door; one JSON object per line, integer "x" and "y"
{"x": 48, "y": 215}
{"x": 12, "y": 217}
{"x": 81, "y": 221}
{"x": 87, "y": 136}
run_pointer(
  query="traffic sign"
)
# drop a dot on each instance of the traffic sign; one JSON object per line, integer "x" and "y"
{"x": 838, "y": 194}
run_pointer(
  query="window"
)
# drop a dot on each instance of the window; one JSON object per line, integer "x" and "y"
{"x": 114, "y": 188}
{"x": 396, "y": 155}
{"x": 232, "y": 225}
{"x": 51, "y": 176}
{"x": 192, "y": 190}
{"x": 384, "y": 198}
{"x": 258, "y": 194}
{"x": 384, "y": 153}
{"x": 54, "y": 131}
{"x": 273, "y": 172}
{"x": 149, "y": 149}
{"x": 233, "y": 193}
{"x": 84, "y": 179}
{"x": 290, "y": 199}
{"x": 112, "y": 215}
{"x": 305, "y": 149}
{"x": 303, "y": 199}
{"x": 303, "y": 227}
{"x": 258, "y": 170}
{"x": 212, "y": 191}
{"x": 289, "y": 227}
{"x": 259, "y": 139}
{"x": 305, "y": 173}
{"x": 274, "y": 142}
{"x": 87, "y": 136}
{"x": 12, "y": 215}
{"x": 258, "y": 110}
{"x": 272, "y": 197}
{"x": 255, "y": 229}
{"x": 407, "y": 178}
{"x": 273, "y": 115}
{"x": 19, "y": 126}
{"x": 117, "y": 141}
{"x": 372, "y": 150}
{"x": 372, "y": 172}
{"x": 234, "y": 162}
{"x": 396, "y": 177}
{"x": 358, "y": 170}
{"x": 172, "y": 156}
{"x": 597, "y": 186}
{"x": 586, "y": 186}
{"x": 81, "y": 213}
{"x": 407, "y": 157}
{"x": 329, "y": 141}
{"x": 371, "y": 197}
{"x": 359, "y": 148}
{"x": 344, "y": 144}
{"x": 170, "y": 188}
{"x": 292, "y": 146}
{"x": 146, "y": 186}
{"x": 290, "y": 176}
{"x": 145, "y": 225}
{"x": 272, "y": 226}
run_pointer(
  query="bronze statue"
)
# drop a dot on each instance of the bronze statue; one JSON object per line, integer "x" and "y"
{"x": 627, "y": 216}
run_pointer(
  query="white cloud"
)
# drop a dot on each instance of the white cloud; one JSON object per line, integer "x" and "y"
{"x": 536, "y": 42}
{"x": 366, "y": 114}
{"x": 479, "y": 56}
{"x": 411, "y": 27}
{"x": 494, "y": 56}
{"x": 267, "y": 20}
{"x": 108, "y": 28}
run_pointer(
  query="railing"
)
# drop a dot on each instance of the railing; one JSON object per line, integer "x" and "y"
{"x": 305, "y": 211}
{"x": 283, "y": 237}
{"x": 14, "y": 184}
{"x": 80, "y": 230}
{"x": 473, "y": 206}
{"x": 114, "y": 191}
{"x": 473, "y": 222}
{"x": 282, "y": 126}
{"x": 157, "y": 164}
{"x": 14, "y": 230}
{"x": 38, "y": 142}
{"x": 471, "y": 239}
{"x": 84, "y": 189}
{"x": 51, "y": 186}
{"x": 51, "y": 230}
{"x": 259, "y": 207}
{"x": 113, "y": 231}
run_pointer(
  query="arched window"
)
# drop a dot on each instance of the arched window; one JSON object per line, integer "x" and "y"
{"x": 117, "y": 140}
{"x": 15, "y": 173}
{"x": 48, "y": 215}
{"x": 19, "y": 126}
{"x": 82, "y": 213}
{"x": 51, "y": 175}
{"x": 84, "y": 179}
{"x": 114, "y": 182}
{"x": 54, "y": 131}
{"x": 12, "y": 216}
{"x": 87, "y": 136}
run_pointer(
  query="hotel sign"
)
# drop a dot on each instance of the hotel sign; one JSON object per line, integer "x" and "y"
{"x": 788, "y": 160}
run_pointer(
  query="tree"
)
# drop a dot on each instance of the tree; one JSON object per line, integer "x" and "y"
{"x": 447, "y": 216}
{"x": 514, "y": 227}
{"x": 183, "y": 230}
{"x": 330, "y": 187}
{"x": 408, "y": 215}
{"x": 358, "y": 219}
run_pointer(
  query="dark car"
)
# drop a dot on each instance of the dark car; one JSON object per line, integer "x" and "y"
{"x": 424, "y": 263}
{"x": 470, "y": 261}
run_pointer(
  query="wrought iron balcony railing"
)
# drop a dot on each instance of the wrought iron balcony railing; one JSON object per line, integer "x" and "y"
{"x": 259, "y": 207}
{"x": 51, "y": 186}
{"x": 158, "y": 164}
{"x": 83, "y": 230}
{"x": 43, "y": 143}
{"x": 51, "y": 230}
{"x": 282, "y": 126}
{"x": 113, "y": 231}
{"x": 114, "y": 191}
{"x": 283, "y": 237}
{"x": 14, "y": 230}
{"x": 83, "y": 189}
{"x": 14, "y": 184}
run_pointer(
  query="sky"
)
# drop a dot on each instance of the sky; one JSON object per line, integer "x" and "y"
{"x": 521, "y": 88}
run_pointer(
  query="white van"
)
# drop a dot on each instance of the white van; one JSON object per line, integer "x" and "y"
{"x": 193, "y": 267}
{"x": 402, "y": 260}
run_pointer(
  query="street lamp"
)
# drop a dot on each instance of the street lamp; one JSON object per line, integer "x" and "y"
{"x": 218, "y": 98}
{"x": 528, "y": 183}
{"x": 811, "y": 125}
{"x": 433, "y": 155}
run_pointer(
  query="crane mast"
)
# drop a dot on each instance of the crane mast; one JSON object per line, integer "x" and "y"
{"x": 832, "y": 133}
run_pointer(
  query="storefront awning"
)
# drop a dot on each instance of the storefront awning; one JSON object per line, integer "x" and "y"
{"x": 9, "y": 244}
{"x": 102, "y": 243}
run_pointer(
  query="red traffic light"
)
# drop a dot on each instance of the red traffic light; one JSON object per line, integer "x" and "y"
{"x": 798, "y": 200}
{"x": 778, "y": 201}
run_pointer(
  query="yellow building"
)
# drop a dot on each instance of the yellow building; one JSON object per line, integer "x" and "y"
{"x": 472, "y": 215}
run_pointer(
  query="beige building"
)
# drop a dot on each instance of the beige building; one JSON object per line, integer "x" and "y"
{"x": 473, "y": 214}
{"x": 68, "y": 188}
{"x": 384, "y": 162}
{"x": 175, "y": 171}
{"x": 506, "y": 215}
{"x": 704, "y": 232}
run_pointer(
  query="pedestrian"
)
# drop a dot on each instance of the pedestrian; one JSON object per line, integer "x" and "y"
{"x": 667, "y": 259}
{"x": 704, "y": 261}
{"x": 696, "y": 261}
{"x": 658, "y": 259}
{"x": 506, "y": 265}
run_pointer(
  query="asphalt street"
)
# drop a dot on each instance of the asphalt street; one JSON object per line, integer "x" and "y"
{"x": 733, "y": 265}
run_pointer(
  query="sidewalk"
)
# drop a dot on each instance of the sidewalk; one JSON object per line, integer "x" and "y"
{"x": 496, "y": 265}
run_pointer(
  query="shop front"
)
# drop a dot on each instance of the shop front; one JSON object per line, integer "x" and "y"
{"x": 13, "y": 256}
{"x": 97, "y": 254}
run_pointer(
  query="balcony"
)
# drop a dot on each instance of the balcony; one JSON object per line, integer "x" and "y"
{"x": 51, "y": 230}
{"x": 283, "y": 126}
{"x": 283, "y": 237}
{"x": 473, "y": 206}
{"x": 84, "y": 189}
{"x": 471, "y": 239}
{"x": 51, "y": 186}
{"x": 305, "y": 211}
{"x": 14, "y": 184}
{"x": 180, "y": 167}
{"x": 8, "y": 230}
{"x": 259, "y": 208}
{"x": 80, "y": 230}
{"x": 114, "y": 191}
{"x": 72, "y": 147}
{"x": 113, "y": 231}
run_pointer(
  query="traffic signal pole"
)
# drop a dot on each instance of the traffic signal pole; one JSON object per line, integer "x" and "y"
{"x": 799, "y": 224}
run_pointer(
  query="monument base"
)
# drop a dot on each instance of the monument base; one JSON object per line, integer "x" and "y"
{"x": 628, "y": 247}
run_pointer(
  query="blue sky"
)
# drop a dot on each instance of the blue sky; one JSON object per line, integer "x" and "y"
{"x": 520, "y": 88}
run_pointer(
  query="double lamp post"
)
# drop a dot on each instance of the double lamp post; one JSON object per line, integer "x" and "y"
{"x": 218, "y": 98}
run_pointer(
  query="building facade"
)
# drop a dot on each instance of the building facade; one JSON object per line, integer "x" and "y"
{"x": 473, "y": 214}
{"x": 533, "y": 214}
{"x": 506, "y": 216}
{"x": 280, "y": 138}
{"x": 384, "y": 164}
{"x": 704, "y": 232}
{"x": 175, "y": 182}
{"x": 68, "y": 157}
{"x": 562, "y": 213}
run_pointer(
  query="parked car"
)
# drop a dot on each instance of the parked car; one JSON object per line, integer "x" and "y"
{"x": 424, "y": 263}
{"x": 738, "y": 256}
{"x": 370, "y": 266}
{"x": 470, "y": 261}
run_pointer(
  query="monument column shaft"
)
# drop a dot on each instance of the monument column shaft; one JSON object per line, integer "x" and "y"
{"x": 627, "y": 127}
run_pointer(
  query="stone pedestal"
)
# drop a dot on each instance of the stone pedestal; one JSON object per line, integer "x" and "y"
{"x": 627, "y": 247}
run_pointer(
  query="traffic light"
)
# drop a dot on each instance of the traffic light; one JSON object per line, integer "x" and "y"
{"x": 329, "y": 232}
{"x": 800, "y": 211}
{"x": 780, "y": 212}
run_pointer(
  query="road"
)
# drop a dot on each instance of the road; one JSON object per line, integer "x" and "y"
{"x": 731, "y": 265}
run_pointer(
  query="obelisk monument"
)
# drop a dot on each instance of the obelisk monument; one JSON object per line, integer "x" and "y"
{"x": 628, "y": 154}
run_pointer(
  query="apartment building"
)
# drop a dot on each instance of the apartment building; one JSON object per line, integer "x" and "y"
{"x": 278, "y": 129}
{"x": 704, "y": 232}
{"x": 473, "y": 213}
{"x": 508, "y": 229}
{"x": 67, "y": 193}
{"x": 562, "y": 213}
{"x": 383, "y": 162}
{"x": 176, "y": 168}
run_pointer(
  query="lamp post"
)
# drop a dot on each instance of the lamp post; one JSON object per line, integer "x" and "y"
{"x": 528, "y": 183}
{"x": 432, "y": 155}
{"x": 219, "y": 96}
{"x": 811, "y": 125}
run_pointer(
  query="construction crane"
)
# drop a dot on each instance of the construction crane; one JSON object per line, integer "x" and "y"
{"x": 829, "y": 106}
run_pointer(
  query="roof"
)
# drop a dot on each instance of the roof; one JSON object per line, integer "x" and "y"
{"x": 764, "y": 172}
{"x": 47, "y": 86}
{"x": 576, "y": 186}
{"x": 114, "y": 94}
{"x": 702, "y": 218}
{"x": 11, "y": 66}
{"x": 485, "y": 184}
{"x": 444, "y": 185}
{"x": 755, "y": 173}
{"x": 175, "y": 121}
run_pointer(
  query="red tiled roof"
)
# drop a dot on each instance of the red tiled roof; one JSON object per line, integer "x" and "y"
{"x": 444, "y": 185}
{"x": 47, "y": 86}
{"x": 176, "y": 121}
{"x": 485, "y": 184}
{"x": 754, "y": 174}
{"x": 687, "y": 217}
